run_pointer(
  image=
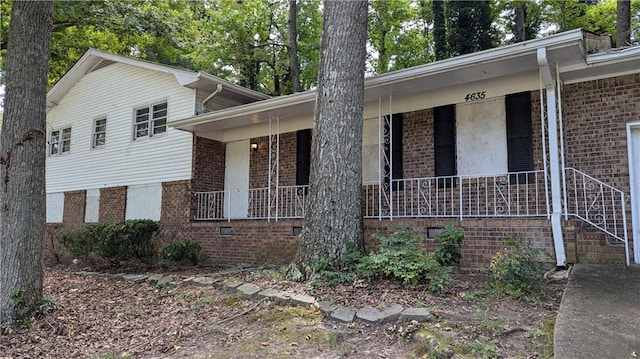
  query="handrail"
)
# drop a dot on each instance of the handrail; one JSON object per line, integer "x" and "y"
{"x": 598, "y": 204}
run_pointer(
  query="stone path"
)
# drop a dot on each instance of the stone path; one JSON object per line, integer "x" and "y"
{"x": 333, "y": 311}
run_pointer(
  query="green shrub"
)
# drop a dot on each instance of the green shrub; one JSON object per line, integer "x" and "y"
{"x": 122, "y": 241}
{"x": 116, "y": 242}
{"x": 401, "y": 256}
{"x": 447, "y": 250}
{"x": 325, "y": 275}
{"x": 516, "y": 271}
{"x": 182, "y": 252}
{"x": 81, "y": 243}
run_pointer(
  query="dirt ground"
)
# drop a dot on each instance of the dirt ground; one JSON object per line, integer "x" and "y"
{"x": 105, "y": 317}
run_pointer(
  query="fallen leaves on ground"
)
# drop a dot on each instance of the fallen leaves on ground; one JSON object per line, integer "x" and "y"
{"x": 100, "y": 316}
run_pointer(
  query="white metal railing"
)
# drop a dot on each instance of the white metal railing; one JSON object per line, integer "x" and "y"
{"x": 518, "y": 194}
{"x": 597, "y": 204}
{"x": 255, "y": 203}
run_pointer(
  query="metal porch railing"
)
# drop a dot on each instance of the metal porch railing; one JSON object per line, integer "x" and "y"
{"x": 598, "y": 204}
{"x": 255, "y": 203}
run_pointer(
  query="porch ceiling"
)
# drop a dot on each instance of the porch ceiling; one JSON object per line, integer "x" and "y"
{"x": 565, "y": 49}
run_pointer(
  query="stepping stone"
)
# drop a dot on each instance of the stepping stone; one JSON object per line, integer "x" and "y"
{"x": 343, "y": 314}
{"x": 154, "y": 277}
{"x": 165, "y": 281}
{"x": 268, "y": 293}
{"x": 326, "y": 306}
{"x": 204, "y": 281}
{"x": 282, "y": 297}
{"x": 368, "y": 314}
{"x": 249, "y": 290}
{"x": 417, "y": 314}
{"x": 302, "y": 299}
{"x": 136, "y": 278}
{"x": 233, "y": 285}
{"x": 391, "y": 313}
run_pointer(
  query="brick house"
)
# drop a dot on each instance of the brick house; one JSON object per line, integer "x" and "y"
{"x": 539, "y": 139}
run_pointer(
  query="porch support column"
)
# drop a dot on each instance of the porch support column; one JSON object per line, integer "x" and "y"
{"x": 554, "y": 157}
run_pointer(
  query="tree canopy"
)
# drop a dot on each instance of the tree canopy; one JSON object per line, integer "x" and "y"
{"x": 247, "y": 42}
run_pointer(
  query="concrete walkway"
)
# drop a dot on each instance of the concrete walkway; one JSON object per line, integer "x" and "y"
{"x": 599, "y": 316}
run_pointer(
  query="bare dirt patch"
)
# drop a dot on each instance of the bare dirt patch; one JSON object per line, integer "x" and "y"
{"x": 106, "y": 317}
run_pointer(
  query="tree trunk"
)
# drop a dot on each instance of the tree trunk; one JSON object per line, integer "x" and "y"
{"x": 520, "y": 15}
{"x": 333, "y": 217}
{"x": 439, "y": 30}
{"x": 294, "y": 65}
{"x": 22, "y": 160}
{"x": 623, "y": 23}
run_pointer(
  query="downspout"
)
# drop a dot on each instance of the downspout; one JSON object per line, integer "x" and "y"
{"x": 217, "y": 91}
{"x": 554, "y": 157}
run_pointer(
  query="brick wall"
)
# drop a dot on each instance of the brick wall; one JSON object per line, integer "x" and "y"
{"x": 595, "y": 114}
{"x": 482, "y": 237}
{"x": 259, "y": 161}
{"x": 208, "y": 164}
{"x": 74, "y": 207}
{"x": 113, "y": 204}
{"x": 250, "y": 241}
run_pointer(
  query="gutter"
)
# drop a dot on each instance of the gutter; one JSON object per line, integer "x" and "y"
{"x": 554, "y": 157}
{"x": 272, "y": 104}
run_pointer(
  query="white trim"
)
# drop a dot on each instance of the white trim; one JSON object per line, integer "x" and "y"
{"x": 607, "y": 75}
{"x": 634, "y": 186}
{"x": 184, "y": 77}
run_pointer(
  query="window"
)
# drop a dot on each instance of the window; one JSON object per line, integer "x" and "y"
{"x": 99, "y": 132}
{"x": 60, "y": 141}
{"x": 395, "y": 153}
{"x": 150, "y": 121}
{"x": 444, "y": 140}
{"x": 303, "y": 157}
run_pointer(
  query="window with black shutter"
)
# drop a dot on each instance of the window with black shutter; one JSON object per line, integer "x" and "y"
{"x": 444, "y": 141}
{"x": 395, "y": 153}
{"x": 303, "y": 157}
{"x": 519, "y": 134}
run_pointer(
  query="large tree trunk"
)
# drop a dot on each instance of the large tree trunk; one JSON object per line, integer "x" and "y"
{"x": 519, "y": 33}
{"x": 333, "y": 218}
{"x": 22, "y": 159}
{"x": 439, "y": 30}
{"x": 294, "y": 65}
{"x": 623, "y": 23}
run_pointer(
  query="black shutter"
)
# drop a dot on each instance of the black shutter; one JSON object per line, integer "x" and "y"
{"x": 303, "y": 157}
{"x": 519, "y": 133}
{"x": 395, "y": 153}
{"x": 444, "y": 141}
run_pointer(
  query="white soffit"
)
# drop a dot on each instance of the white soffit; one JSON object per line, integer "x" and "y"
{"x": 565, "y": 48}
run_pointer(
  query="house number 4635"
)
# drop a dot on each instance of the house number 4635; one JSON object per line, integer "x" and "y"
{"x": 475, "y": 96}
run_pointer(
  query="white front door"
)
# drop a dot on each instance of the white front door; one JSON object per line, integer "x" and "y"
{"x": 633, "y": 136}
{"x": 236, "y": 180}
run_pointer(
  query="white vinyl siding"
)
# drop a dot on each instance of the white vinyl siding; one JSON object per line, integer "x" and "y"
{"x": 55, "y": 207}
{"x": 114, "y": 92}
{"x": 144, "y": 202}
